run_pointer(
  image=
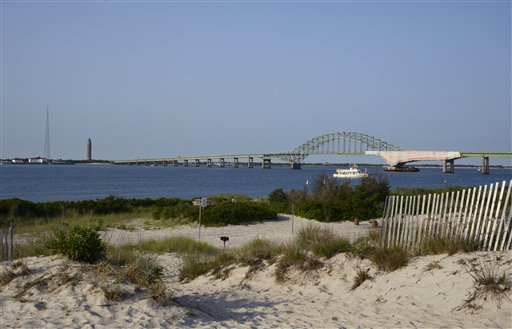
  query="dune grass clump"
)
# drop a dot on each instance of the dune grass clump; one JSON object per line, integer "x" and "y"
{"x": 321, "y": 241}
{"x": 179, "y": 244}
{"x": 450, "y": 246}
{"x": 17, "y": 269}
{"x": 217, "y": 262}
{"x": 257, "y": 251}
{"x": 138, "y": 268}
{"x": 294, "y": 256}
{"x": 196, "y": 265}
{"x": 489, "y": 281}
{"x": 361, "y": 276}
{"x": 389, "y": 259}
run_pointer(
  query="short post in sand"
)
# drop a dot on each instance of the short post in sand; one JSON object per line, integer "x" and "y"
{"x": 224, "y": 239}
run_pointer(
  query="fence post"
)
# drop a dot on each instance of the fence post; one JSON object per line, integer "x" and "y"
{"x": 416, "y": 227}
{"x": 403, "y": 220}
{"x": 2, "y": 244}
{"x": 490, "y": 219}
{"x": 502, "y": 221}
{"x": 497, "y": 216}
{"x": 11, "y": 234}
{"x": 483, "y": 212}
{"x": 422, "y": 219}
{"x": 474, "y": 217}
{"x": 462, "y": 212}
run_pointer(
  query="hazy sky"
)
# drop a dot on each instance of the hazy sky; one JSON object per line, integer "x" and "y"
{"x": 163, "y": 78}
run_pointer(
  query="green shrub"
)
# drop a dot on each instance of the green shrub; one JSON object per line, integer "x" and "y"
{"x": 80, "y": 243}
{"x": 362, "y": 249}
{"x": 226, "y": 213}
{"x": 278, "y": 200}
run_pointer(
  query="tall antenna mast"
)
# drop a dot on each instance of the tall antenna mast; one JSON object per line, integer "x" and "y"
{"x": 47, "y": 137}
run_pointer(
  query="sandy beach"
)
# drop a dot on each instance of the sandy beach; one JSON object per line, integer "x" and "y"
{"x": 279, "y": 231}
{"x": 431, "y": 292}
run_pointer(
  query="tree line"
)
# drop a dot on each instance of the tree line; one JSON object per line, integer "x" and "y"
{"x": 326, "y": 199}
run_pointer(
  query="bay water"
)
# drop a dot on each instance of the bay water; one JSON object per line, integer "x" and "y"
{"x": 81, "y": 182}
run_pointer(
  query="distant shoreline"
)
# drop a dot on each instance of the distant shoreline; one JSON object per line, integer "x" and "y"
{"x": 25, "y": 161}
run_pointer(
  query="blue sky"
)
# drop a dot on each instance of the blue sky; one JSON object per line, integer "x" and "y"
{"x": 151, "y": 79}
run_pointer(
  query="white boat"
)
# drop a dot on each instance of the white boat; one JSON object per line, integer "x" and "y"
{"x": 352, "y": 172}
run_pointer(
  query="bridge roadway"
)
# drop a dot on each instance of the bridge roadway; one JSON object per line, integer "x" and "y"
{"x": 339, "y": 143}
{"x": 196, "y": 161}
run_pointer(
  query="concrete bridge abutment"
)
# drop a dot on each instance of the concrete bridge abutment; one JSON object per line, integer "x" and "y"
{"x": 235, "y": 163}
{"x": 449, "y": 166}
{"x": 266, "y": 163}
{"x": 250, "y": 162}
{"x": 485, "y": 166}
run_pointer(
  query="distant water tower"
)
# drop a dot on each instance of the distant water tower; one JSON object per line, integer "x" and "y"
{"x": 89, "y": 150}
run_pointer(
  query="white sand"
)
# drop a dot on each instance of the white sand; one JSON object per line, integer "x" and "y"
{"x": 420, "y": 295}
{"x": 279, "y": 231}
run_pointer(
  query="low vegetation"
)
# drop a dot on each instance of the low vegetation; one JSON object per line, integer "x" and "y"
{"x": 361, "y": 276}
{"x": 328, "y": 200}
{"x": 79, "y": 243}
{"x": 449, "y": 246}
{"x": 238, "y": 212}
{"x": 489, "y": 281}
{"x": 112, "y": 267}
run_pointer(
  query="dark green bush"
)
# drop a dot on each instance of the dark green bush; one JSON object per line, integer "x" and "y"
{"x": 226, "y": 213}
{"x": 329, "y": 201}
{"x": 80, "y": 243}
{"x": 278, "y": 200}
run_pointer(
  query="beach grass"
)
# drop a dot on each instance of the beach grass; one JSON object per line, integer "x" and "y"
{"x": 178, "y": 244}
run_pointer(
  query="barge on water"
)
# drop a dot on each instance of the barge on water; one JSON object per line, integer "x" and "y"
{"x": 401, "y": 169}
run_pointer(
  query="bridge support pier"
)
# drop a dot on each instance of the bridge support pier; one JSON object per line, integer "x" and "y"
{"x": 198, "y": 163}
{"x": 485, "y": 166}
{"x": 209, "y": 162}
{"x": 296, "y": 165}
{"x": 266, "y": 163}
{"x": 222, "y": 163}
{"x": 185, "y": 163}
{"x": 250, "y": 162}
{"x": 235, "y": 163}
{"x": 449, "y": 166}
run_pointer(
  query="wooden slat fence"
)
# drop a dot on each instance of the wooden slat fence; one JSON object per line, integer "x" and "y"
{"x": 481, "y": 214}
{"x": 6, "y": 242}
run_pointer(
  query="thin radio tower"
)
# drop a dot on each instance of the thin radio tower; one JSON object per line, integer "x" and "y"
{"x": 47, "y": 137}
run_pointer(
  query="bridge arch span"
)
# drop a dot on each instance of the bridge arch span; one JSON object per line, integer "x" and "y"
{"x": 349, "y": 143}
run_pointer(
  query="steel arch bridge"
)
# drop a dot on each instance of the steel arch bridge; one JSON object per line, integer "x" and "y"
{"x": 340, "y": 143}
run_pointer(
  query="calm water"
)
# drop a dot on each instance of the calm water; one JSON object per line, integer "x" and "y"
{"x": 79, "y": 182}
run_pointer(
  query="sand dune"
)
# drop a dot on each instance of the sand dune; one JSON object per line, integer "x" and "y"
{"x": 429, "y": 293}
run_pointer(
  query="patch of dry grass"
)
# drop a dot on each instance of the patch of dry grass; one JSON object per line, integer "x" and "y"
{"x": 361, "y": 276}
{"x": 489, "y": 281}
